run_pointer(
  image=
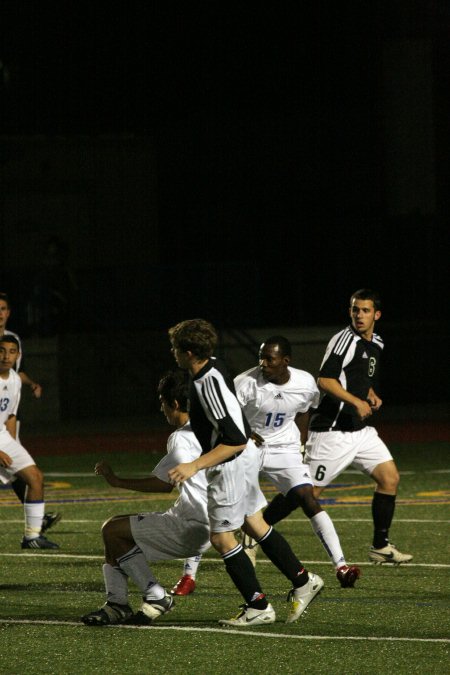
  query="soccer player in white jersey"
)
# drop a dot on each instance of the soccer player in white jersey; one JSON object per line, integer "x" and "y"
{"x": 340, "y": 431}
{"x": 18, "y": 484}
{"x": 133, "y": 541}
{"x": 276, "y": 399}
{"x": 14, "y": 459}
{"x": 230, "y": 459}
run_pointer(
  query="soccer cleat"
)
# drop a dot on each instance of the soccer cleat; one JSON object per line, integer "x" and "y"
{"x": 248, "y": 616}
{"x": 300, "y": 598}
{"x": 109, "y": 615}
{"x": 184, "y": 586}
{"x": 388, "y": 554}
{"x": 348, "y": 575}
{"x": 38, "y": 542}
{"x": 150, "y": 611}
{"x": 49, "y": 520}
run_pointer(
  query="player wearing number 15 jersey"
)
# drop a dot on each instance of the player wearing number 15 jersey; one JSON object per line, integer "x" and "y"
{"x": 276, "y": 399}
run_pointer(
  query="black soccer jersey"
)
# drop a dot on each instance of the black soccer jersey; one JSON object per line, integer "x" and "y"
{"x": 355, "y": 363}
{"x": 215, "y": 414}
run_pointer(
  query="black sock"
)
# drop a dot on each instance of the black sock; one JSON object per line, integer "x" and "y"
{"x": 20, "y": 487}
{"x": 279, "y": 508}
{"x": 280, "y": 553}
{"x": 243, "y": 576}
{"x": 383, "y": 507}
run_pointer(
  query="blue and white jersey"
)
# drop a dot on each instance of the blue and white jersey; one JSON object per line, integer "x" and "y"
{"x": 271, "y": 408}
{"x": 183, "y": 447}
{"x": 10, "y": 389}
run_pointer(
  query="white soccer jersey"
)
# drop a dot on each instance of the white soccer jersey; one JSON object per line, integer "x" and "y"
{"x": 191, "y": 505}
{"x": 271, "y": 408}
{"x": 9, "y": 397}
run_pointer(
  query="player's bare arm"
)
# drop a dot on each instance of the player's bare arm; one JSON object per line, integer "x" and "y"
{"x": 35, "y": 387}
{"x": 302, "y": 421}
{"x": 334, "y": 388}
{"x": 216, "y": 456}
{"x": 149, "y": 484}
{"x": 5, "y": 460}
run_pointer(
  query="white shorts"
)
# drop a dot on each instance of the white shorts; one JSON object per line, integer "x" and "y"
{"x": 162, "y": 536}
{"x": 285, "y": 471}
{"x": 21, "y": 458}
{"x": 233, "y": 491}
{"x": 329, "y": 453}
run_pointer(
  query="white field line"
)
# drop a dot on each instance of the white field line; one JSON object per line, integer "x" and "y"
{"x": 80, "y": 556}
{"x": 228, "y": 631}
{"x": 304, "y": 520}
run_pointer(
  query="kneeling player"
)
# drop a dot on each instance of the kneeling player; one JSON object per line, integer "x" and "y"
{"x": 134, "y": 540}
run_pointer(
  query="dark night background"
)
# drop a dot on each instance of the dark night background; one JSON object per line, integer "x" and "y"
{"x": 299, "y": 151}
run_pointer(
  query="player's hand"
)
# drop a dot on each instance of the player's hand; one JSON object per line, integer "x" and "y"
{"x": 259, "y": 440}
{"x": 363, "y": 409}
{"x": 5, "y": 460}
{"x": 374, "y": 401}
{"x": 182, "y": 472}
{"x": 36, "y": 389}
{"x": 103, "y": 469}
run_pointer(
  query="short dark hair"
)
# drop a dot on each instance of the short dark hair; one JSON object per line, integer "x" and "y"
{"x": 194, "y": 335}
{"x": 282, "y": 342}
{"x": 174, "y": 386}
{"x": 4, "y": 296}
{"x": 11, "y": 339}
{"x": 367, "y": 294}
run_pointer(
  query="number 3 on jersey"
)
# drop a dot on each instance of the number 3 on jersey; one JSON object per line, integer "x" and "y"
{"x": 275, "y": 420}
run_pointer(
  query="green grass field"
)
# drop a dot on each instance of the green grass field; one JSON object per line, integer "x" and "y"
{"x": 395, "y": 620}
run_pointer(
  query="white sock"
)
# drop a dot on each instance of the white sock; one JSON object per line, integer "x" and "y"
{"x": 323, "y": 526}
{"x": 191, "y": 566}
{"x": 116, "y": 584}
{"x": 136, "y": 567}
{"x": 34, "y": 513}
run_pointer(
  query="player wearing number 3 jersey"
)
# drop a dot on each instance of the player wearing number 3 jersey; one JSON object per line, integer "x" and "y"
{"x": 341, "y": 434}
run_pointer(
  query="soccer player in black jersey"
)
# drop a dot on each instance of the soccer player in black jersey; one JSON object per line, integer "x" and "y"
{"x": 340, "y": 431}
{"x": 231, "y": 463}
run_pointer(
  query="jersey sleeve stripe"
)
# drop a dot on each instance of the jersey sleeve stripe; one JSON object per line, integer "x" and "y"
{"x": 213, "y": 400}
{"x": 343, "y": 342}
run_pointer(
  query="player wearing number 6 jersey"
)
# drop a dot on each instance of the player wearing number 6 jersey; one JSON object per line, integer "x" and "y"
{"x": 341, "y": 434}
{"x": 276, "y": 400}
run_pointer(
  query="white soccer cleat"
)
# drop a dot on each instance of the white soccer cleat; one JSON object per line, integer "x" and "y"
{"x": 300, "y": 598}
{"x": 251, "y": 617}
{"x": 388, "y": 555}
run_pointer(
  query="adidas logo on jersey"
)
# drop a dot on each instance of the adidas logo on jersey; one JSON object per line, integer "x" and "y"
{"x": 225, "y": 523}
{"x": 365, "y": 355}
{"x": 278, "y": 396}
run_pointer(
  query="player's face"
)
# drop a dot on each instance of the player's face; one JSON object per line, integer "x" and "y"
{"x": 182, "y": 358}
{"x": 169, "y": 412}
{"x": 8, "y": 356}
{"x": 273, "y": 365}
{"x": 4, "y": 314}
{"x": 364, "y": 315}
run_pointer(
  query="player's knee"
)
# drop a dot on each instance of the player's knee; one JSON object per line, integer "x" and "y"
{"x": 33, "y": 477}
{"x": 304, "y": 497}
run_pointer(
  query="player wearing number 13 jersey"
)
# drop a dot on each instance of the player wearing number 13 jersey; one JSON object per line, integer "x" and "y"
{"x": 341, "y": 434}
